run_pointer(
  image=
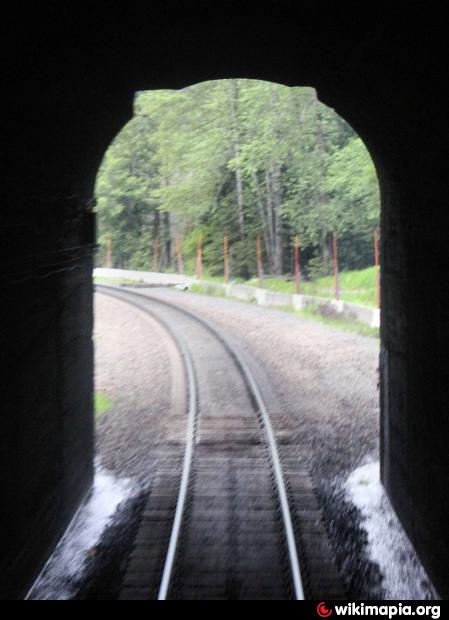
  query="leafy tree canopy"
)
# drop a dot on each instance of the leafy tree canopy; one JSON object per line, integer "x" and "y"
{"x": 237, "y": 158}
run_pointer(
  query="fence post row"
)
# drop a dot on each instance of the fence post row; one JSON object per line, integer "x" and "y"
{"x": 297, "y": 269}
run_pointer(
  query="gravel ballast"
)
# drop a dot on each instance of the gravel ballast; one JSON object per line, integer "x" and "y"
{"x": 135, "y": 361}
{"x": 326, "y": 382}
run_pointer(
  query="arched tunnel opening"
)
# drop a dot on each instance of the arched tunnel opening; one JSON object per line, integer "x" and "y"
{"x": 171, "y": 179}
{"x": 53, "y": 150}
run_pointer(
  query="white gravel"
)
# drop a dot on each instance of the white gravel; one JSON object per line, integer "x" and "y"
{"x": 59, "y": 579}
{"x": 404, "y": 576}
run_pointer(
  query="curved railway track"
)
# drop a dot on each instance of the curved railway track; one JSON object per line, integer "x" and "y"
{"x": 221, "y": 527}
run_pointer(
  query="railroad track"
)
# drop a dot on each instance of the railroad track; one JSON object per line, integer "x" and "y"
{"x": 221, "y": 523}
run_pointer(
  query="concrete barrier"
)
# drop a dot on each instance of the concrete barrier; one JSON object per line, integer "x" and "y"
{"x": 327, "y": 306}
{"x": 251, "y": 294}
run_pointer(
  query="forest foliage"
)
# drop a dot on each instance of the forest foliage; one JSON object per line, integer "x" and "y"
{"x": 239, "y": 158}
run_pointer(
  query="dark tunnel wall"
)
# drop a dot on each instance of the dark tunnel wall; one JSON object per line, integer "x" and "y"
{"x": 69, "y": 82}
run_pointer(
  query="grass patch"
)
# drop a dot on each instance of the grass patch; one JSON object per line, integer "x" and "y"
{"x": 208, "y": 278}
{"x": 102, "y": 403}
{"x": 341, "y": 322}
{"x": 203, "y": 289}
{"x": 358, "y": 287}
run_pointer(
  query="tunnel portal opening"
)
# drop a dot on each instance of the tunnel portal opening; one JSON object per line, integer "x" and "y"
{"x": 258, "y": 192}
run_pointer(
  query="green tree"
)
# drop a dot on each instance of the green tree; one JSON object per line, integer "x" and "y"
{"x": 238, "y": 158}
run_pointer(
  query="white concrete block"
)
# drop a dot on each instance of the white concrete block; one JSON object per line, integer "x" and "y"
{"x": 298, "y": 302}
{"x": 337, "y": 304}
{"x": 376, "y": 318}
{"x": 261, "y": 296}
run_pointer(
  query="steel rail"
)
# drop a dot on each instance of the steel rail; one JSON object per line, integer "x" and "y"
{"x": 257, "y": 398}
{"x": 190, "y": 439}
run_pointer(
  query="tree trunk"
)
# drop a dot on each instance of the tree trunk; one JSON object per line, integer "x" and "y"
{"x": 277, "y": 205}
{"x": 166, "y": 258}
{"x": 263, "y": 219}
{"x": 233, "y": 97}
{"x": 319, "y": 128}
{"x": 270, "y": 216}
{"x": 155, "y": 236}
{"x": 325, "y": 251}
{"x": 156, "y": 223}
{"x": 276, "y": 183}
{"x": 322, "y": 198}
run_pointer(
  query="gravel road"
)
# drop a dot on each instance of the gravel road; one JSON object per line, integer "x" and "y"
{"x": 326, "y": 381}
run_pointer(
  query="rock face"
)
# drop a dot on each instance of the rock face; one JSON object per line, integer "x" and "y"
{"x": 69, "y": 77}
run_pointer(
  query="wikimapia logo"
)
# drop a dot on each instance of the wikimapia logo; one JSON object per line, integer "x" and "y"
{"x": 323, "y": 611}
{"x": 360, "y": 609}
